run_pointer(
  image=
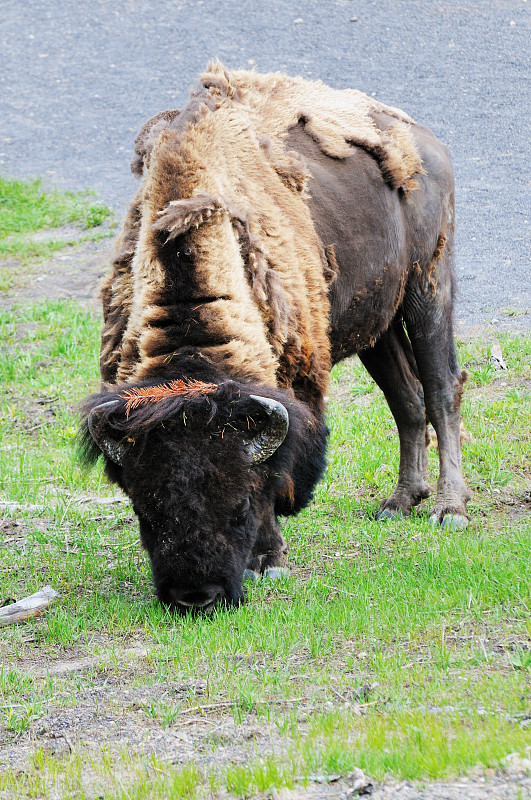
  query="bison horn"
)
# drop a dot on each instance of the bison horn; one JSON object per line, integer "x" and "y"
{"x": 100, "y": 431}
{"x": 269, "y": 440}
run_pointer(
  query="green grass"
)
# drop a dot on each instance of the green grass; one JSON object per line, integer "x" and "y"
{"x": 26, "y": 208}
{"x": 394, "y": 647}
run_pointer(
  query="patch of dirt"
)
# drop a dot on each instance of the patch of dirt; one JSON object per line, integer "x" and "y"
{"x": 347, "y": 391}
{"x": 120, "y": 717}
{"x": 517, "y": 507}
{"x": 65, "y": 233}
{"x": 74, "y": 272}
{"x": 34, "y": 413}
{"x": 113, "y": 712}
{"x": 499, "y": 387}
{"x": 24, "y": 331}
{"x": 511, "y": 783}
{"x": 70, "y": 665}
{"x": 15, "y": 530}
{"x": 109, "y": 701}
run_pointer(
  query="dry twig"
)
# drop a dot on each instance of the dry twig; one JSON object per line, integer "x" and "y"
{"x": 233, "y": 703}
{"x": 28, "y": 607}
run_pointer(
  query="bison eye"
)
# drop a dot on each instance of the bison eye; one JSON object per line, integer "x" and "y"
{"x": 242, "y": 511}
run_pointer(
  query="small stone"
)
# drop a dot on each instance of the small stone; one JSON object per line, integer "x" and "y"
{"x": 360, "y": 784}
{"x": 281, "y": 794}
{"x": 251, "y": 575}
{"x": 516, "y": 763}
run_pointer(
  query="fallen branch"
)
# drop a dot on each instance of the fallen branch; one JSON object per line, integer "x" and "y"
{"x": 8, "y": 506}
{"x": 101, "y": 501}
{"x": 336, "y": 589}
{"x": 234, "y": 703}
{"x": 28, "y": 607}
{"x": 337, "y": 694}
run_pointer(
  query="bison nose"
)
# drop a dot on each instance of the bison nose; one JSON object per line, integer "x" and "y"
{"x": 197, "y": 598}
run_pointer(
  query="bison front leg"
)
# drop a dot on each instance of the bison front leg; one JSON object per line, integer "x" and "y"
{"x": 392, "y": 365}
{"x": 269, "y": 556}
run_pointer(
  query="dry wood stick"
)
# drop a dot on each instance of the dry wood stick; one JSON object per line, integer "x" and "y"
{"x": 230, "y": 703}
{"x": 336, "y": 589}
{"x": 28, "y": 607}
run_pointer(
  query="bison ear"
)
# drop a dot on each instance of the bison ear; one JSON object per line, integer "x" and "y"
{"x": 101, "y": 431}
{"x": 271, "y": 437}
{"x": 147, "y": 137}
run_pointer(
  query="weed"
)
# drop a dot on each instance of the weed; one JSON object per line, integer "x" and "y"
{"x": 514, "y": 312}
{"x": 517, "y": 394}
{"x": 481, "y": 374}
{"x": 521, "y": 659}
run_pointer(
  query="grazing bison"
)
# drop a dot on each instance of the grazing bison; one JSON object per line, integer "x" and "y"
{"x": 280, "y": 226}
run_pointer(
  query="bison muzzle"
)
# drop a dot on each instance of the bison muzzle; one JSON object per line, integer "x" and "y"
{"x": 280, "y": 226}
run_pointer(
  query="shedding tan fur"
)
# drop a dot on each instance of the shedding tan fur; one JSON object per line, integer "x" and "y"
{"x": 218, "y": 172}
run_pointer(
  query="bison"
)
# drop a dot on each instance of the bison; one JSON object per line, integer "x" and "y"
{"x": 280, "y": 226}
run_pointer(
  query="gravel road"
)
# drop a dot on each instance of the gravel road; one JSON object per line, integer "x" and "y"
{"x": 78, "y": 80}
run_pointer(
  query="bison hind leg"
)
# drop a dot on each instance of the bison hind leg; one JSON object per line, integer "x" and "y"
{"x": 428, "y": 316}
{"x": 391, "y": 363}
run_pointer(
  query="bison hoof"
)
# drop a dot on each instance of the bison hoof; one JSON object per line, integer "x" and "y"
{"x": 389, "y": 513}
{"x": 251, "y": 576}
{"x": 275, "y": 573}
{"x": 450, "y": 522}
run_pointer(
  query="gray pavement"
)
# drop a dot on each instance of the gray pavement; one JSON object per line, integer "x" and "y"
{"x": 78, "y": 79}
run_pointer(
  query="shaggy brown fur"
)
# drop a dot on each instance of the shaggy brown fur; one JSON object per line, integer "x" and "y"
{"x": 117, "y": 292}
{"x": 220, "y": 166}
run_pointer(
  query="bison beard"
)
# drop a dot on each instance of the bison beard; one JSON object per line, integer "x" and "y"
{"x": 280, "y": 226}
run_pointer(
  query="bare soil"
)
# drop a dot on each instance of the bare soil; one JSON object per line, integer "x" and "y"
{"x": 74, "y": 273}
{"x": 112, "y": 706}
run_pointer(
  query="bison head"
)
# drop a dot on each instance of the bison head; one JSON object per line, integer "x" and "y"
{"x": 207, "y": 470}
